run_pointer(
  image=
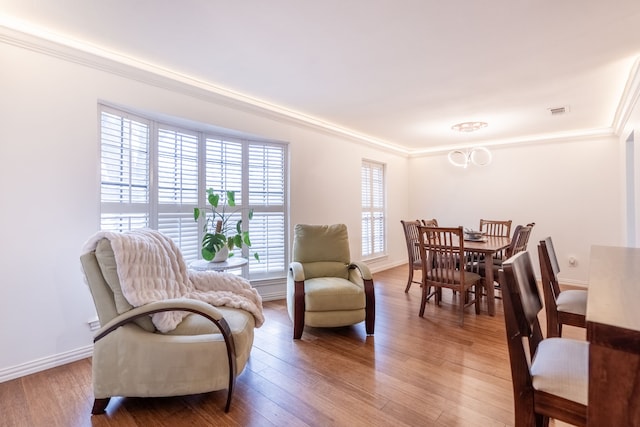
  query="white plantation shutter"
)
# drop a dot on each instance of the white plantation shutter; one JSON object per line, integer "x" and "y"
{"x": 268, "y": 240}
{"x": 224, "y": 167}
{"x": 224, "y": 172}
{"x": 266, "y": 189}
{"x": 177, "y": 172}
{"x": 266, "y": 175}
{"x": 373, "y": 209}
{"x": 124, "y": 183}
{"x": 153, "y": 175}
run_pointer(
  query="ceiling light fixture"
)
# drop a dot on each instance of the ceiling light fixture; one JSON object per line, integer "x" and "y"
{"x": 469, "y": 126}
{"x": 479, "y": 156}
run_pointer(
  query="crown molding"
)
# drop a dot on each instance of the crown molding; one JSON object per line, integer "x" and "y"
{"x": 27, "y": 36}
{"x": 578, "y": 135}
{"x": 629, "y": 99}
{"x": 37, "y": 40}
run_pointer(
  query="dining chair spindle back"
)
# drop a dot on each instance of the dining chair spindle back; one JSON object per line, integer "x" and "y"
{"x": 441, "y": 249}
{"x": 492, "y": 227}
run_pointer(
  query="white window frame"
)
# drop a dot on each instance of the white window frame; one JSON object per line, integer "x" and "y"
{"x": 260, "y": 173}
{"x": 374, "y": 212}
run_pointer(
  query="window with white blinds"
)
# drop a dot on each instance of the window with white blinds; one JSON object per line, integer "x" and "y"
{"x": 154, "y": 174}
{"x": 124, "y": 172}
{"x": 373, "y": 209}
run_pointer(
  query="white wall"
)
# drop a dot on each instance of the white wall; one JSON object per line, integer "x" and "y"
{"x": 49, "y": 181}
{"x": 571, "y": 190}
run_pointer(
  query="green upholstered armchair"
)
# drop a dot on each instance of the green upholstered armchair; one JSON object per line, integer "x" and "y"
{"x": 324, "y": 287}
{"x": 131, "y": 358}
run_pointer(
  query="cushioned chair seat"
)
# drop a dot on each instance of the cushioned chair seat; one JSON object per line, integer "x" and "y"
{"x": 241, "y": 323}
{"x": 561, "y": 367}
{"x": 333, "y": 293}
{"x": 573, "y": 301}
{"x": 469, "y": 277}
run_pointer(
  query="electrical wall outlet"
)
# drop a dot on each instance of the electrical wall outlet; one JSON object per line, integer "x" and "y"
{"x": 94, "y": 324}
{"x": 573, "y": 261}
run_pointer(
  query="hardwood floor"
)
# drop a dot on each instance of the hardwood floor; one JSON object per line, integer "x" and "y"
{"x": 413, "y": 372}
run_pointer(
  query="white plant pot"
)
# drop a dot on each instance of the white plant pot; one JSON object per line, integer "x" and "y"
{"x": 221, "y": 255}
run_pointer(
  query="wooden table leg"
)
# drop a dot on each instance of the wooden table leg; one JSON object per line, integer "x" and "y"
{"x": 488, "y": 278}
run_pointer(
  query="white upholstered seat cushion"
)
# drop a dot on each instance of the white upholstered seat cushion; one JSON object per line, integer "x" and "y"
{"x": 561, "y": 367}
{"x": 572, "y": 301}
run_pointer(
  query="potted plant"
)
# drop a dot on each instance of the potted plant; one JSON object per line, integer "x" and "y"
{"x": 221, "y": 235}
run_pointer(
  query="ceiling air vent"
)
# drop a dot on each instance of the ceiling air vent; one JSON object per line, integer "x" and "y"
{"x": 558, "y": 110}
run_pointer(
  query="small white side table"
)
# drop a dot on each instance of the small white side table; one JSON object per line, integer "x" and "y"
{"x": 230, "y": 263}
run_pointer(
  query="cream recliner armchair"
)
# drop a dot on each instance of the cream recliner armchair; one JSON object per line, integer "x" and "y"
{"x": 324, "y": 287}
{"x": 131, "y": 358}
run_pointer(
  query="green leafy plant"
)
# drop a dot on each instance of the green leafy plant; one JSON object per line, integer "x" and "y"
{"x": 219, "y": 229}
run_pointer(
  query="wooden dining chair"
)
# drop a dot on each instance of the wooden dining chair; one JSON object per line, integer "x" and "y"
{"x": 550, "y": 376}
{"x": 520, "y": 240}
{"x": 567, "y": 307}
{"x": 429, "y": 222}
{"x": 441, "y": 249}
{"x": 519, "y": 243}
{"x": 499, "y": 228}
{"x": 492, "y": 227}
{"x": 413, "y": 251}
{"x": 432, "y": 223}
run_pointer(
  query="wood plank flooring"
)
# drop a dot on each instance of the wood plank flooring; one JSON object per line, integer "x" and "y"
{"x": 413, "y": 372}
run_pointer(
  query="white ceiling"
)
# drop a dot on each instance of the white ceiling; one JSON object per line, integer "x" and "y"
{"x": 397, "y": 71}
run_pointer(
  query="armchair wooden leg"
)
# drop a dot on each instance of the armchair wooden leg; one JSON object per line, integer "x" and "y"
{"x": 298, "y": 310}
{"x": 99, "y": 406}
{"x": 297, "y": 331}
{"x": 227, "y": 406}
{"x": 370, "y": 309}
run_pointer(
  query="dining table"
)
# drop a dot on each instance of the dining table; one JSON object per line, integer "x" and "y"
{"x": 487, "y": 247}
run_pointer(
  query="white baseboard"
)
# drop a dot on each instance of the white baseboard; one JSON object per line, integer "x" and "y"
{"x": 45, "y": 363}
{"x": 273, "y": 296}
{"x": 577, "y": 283}
{"x": 386, "y": 266}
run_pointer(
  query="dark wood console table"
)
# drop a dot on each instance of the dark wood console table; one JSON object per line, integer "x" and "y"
{"x": 613, "y": 330}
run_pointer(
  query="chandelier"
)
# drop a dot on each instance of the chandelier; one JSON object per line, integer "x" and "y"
{"x": 469, "y": 126}
{"x": 479, "y": 156}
